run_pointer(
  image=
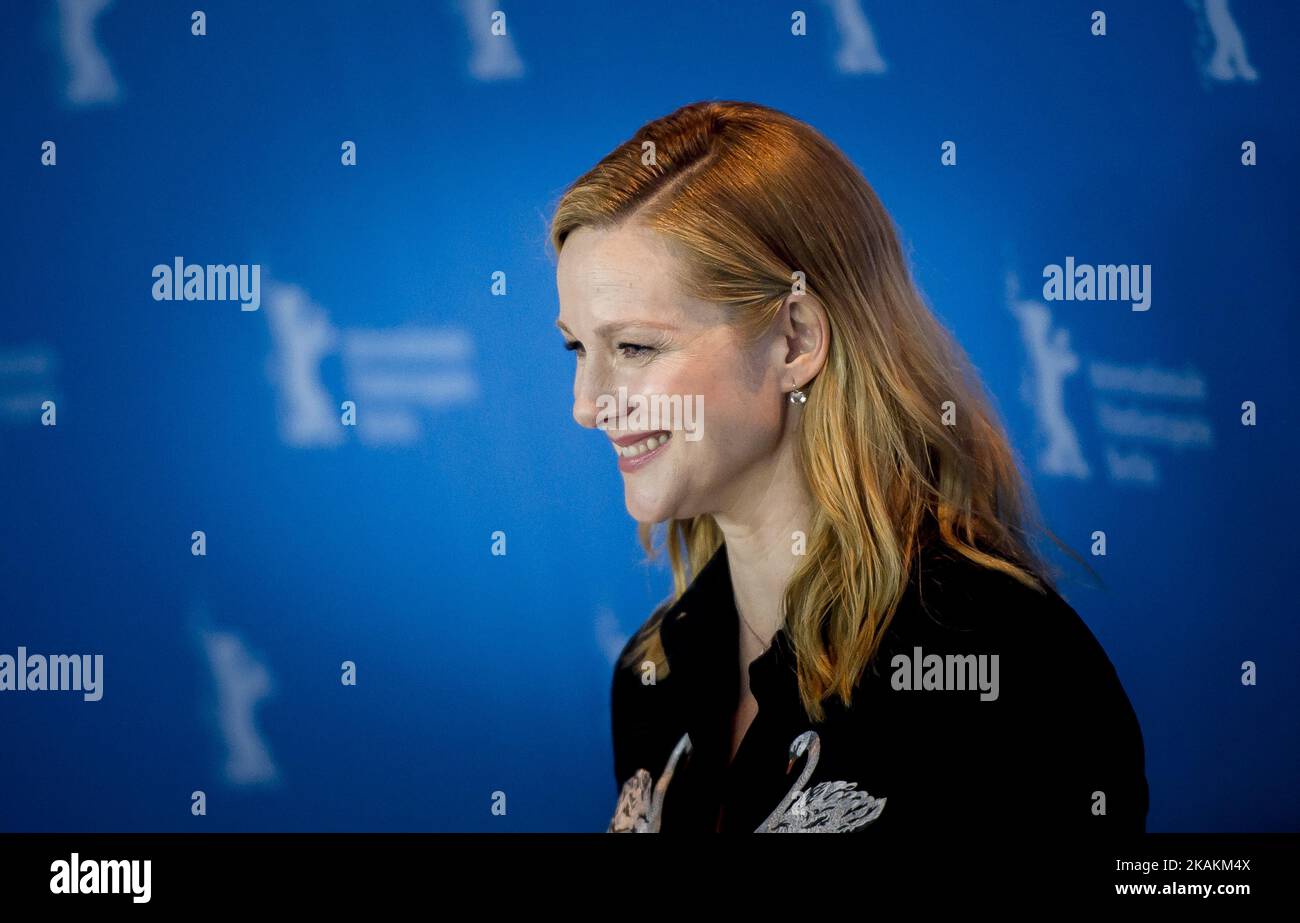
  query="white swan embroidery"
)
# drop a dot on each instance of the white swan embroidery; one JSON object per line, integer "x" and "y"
{"x": 639, "y": 810}
{"x": 830, "y": 807}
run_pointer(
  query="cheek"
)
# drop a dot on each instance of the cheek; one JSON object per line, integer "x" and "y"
{"x": 737, "y": 417}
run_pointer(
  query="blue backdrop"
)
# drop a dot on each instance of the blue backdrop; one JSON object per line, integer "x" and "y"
{"x": 478, "y": 672}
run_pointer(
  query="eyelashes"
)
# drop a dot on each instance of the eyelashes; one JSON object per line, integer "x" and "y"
{"x": 639, "y": 351}
{"x": 627, "y": 350}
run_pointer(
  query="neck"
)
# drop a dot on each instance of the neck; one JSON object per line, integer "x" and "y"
{"x": 759, "y": 534}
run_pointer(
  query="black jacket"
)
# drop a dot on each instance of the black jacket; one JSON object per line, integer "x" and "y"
{"x": 900, "y": 761}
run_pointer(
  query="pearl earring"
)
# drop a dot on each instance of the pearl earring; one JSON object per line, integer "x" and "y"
{"x": 798, "y": 397}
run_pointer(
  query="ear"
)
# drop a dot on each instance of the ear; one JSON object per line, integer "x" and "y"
{"x": 806, "y": 332}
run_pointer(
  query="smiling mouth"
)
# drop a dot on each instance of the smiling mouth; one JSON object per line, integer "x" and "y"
{"x": 648, "y": 444}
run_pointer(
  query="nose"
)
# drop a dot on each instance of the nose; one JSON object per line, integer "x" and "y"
{"x": 587, "y": 388}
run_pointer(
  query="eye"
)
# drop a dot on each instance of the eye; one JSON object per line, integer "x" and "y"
{"x": 634, "y": 350}
{"x": 572, "y": 345}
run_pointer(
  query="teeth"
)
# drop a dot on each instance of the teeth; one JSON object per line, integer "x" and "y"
{"x": 645, "y": 445}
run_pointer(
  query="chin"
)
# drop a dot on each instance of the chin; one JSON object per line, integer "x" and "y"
{"x": 646, "y": 512}
{"x": 646, "y": 506}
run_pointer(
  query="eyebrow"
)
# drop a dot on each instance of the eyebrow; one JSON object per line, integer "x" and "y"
{"x": 606, "y": 329}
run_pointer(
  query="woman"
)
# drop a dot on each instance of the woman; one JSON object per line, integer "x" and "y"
{"x": 856, "y": 596}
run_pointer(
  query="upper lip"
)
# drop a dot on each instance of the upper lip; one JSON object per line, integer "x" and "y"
{"x": 634, "y": 438}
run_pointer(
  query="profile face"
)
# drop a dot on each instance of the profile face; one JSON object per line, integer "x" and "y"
{"x": 632, "y": 327}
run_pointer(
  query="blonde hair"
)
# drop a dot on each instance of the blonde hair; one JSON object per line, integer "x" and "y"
{"x": 749, "y": 196}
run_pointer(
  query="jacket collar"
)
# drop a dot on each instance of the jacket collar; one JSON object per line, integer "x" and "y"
{"x": 700, "y": 634}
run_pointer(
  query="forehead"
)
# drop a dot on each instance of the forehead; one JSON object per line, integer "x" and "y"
{"x": 603, "y": 273}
